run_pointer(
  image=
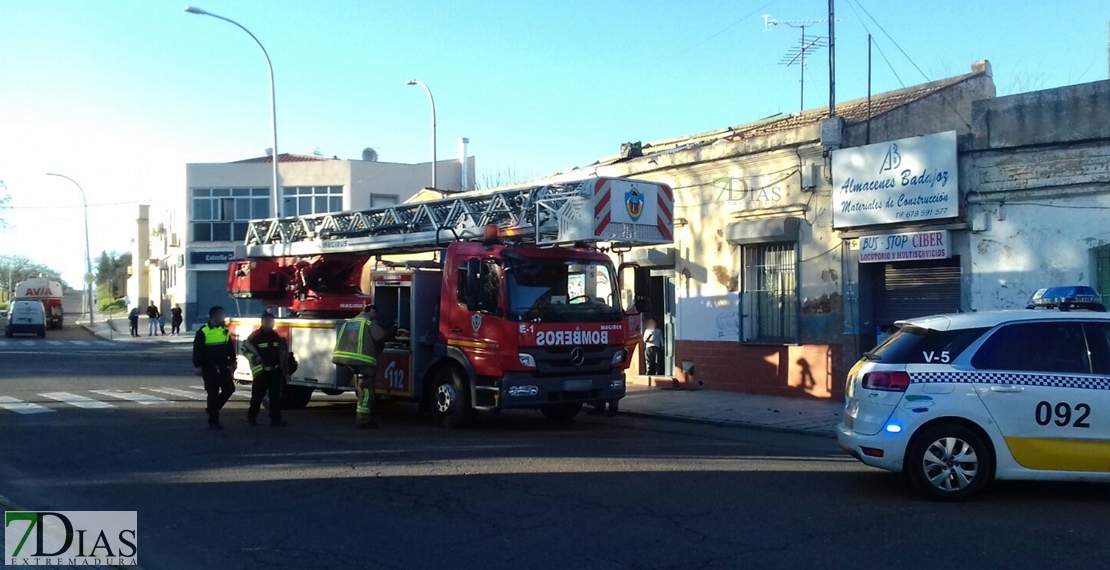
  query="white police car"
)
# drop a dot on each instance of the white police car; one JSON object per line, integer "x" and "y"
{"x": 955, "y": 401}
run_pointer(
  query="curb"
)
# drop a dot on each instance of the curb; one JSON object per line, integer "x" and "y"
{"x": 94, "y": 333}
{"x": 730, "y": 424}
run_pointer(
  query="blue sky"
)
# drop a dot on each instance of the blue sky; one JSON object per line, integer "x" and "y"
{"x": 120, "y": 94}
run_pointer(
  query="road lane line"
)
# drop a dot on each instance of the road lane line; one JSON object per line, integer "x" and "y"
{"x": 240, "y": 391}
{"x": 54, "y": 342}
{"x": 21, "y": 407}
{"x": 138, "y": 398}
{"x": 77, "y": 401}
{"x": 178, "y": 392}
{"x": 81, "y": 342}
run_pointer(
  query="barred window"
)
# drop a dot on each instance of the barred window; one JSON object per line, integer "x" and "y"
{"x": 771, "y": 292}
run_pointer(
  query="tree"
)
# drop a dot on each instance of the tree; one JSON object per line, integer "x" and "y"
{"x": 4, "y": 198}
{"x": 498, "y": 177}
{"x": 105, "y": 267}
{"x": 16, "y": 268}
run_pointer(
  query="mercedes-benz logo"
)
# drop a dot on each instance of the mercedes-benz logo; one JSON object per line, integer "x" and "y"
{"x": 577, "y": 356}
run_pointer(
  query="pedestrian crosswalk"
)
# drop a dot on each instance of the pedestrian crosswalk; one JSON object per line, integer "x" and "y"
{"x": 50, "y": 402}
{"x": 48, "y": 344}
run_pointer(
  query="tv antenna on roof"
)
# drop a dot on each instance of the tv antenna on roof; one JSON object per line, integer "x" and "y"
{"x": 796, "y": 55}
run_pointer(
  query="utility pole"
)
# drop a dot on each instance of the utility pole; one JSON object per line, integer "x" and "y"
{"x": 832, "y": 58}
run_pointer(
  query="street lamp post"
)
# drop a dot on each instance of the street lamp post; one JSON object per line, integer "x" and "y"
{"x": 88, "y": 258}
{"x": 274, "y": 192}
{"x": 433, "y": 102}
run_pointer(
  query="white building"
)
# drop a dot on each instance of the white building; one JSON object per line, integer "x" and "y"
{"x": 181, "y": 255}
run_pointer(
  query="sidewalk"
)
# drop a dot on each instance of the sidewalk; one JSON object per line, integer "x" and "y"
{"x": 115, "y": 328}
{"x": 775, "y": 413}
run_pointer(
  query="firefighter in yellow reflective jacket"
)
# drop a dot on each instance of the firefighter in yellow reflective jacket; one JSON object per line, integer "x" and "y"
{"x": 268, "y": 354}
{"x": 357, "y": 347}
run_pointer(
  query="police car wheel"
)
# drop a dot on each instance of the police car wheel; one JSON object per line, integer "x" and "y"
{"x": 295, "y": 397}
{"x": 949, "y": 462}
{"x": 451, "y": 399}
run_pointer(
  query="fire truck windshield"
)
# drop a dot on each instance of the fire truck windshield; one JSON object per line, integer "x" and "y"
{"x": 561, "y": 290}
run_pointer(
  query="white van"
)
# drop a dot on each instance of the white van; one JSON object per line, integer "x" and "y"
{"x": 26, "y": 317}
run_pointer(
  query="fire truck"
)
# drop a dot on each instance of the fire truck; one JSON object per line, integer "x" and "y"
{"x": 515, "y": 302}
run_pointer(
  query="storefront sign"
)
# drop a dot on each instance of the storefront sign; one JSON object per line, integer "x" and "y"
{"x": 203, "y": 257}
{"x": 904, "y": 247}
{"x": 906, "y": 180}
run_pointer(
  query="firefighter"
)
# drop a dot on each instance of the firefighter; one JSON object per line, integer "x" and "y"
{"x": 214, "y": 360}
{"x": 268, "y": 354}
{"x": 357, "y": 347}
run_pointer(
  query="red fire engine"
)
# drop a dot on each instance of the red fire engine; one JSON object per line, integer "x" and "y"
{"x": 520, "y": 305}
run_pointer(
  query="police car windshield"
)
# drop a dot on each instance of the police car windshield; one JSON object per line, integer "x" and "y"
{"x": 561, "y": 290}
{"x": 917, "y": 345}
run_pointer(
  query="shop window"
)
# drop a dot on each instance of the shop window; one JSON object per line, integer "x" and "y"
{"x": 770, "y": 289}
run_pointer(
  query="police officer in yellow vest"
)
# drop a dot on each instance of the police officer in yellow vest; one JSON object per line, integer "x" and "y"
{"x": 357, "y": 346}
{"x": 268, "y": 354}
{"x": 214, "y": 360}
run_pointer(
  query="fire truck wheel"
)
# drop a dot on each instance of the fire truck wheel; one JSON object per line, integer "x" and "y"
{"x": 561, "y": 413}
{"x": 450, "y": 399}
{"x": 295, "y": 397}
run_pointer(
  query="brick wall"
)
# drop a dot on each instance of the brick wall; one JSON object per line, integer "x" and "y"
{"x": 813, "y": 371}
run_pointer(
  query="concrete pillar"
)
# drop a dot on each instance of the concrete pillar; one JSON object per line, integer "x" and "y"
{"x": 139, "y": 256}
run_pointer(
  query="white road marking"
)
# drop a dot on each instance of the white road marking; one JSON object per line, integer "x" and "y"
{"x": 21, "y": 407}
{"x": 179, "y": 393}
{"x": 81, "y": 342}
{"x": 139, "y": 398}
{"x": 240, "y": 392}
{"x": 54, "y": 342}
{"x": 77, "y": 401}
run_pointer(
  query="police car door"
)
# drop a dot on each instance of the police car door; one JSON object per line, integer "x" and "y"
{"x": 1036, "y": 380}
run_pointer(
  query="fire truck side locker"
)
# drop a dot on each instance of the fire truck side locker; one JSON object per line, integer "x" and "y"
{"x": 408, "y": 298}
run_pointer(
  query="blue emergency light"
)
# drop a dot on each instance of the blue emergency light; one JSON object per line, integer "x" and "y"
{"x": 1067, "y": 298}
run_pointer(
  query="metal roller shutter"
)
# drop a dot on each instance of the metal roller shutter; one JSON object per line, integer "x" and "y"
{"x": 917, "y": 289}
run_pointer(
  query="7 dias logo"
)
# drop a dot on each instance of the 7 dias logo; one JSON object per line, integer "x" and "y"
{"x": 70, "y": 538}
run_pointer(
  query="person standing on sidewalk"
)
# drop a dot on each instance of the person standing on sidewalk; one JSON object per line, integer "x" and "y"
{"x": 152, "y": 316}
{"x": 133, "y": 321}
{"x": 175, "y": 320}
{"x": 268, "y": 354}
{"x": 653, "y": 339}
{"x": 357, "y": 346}
{"x": 214, "y": 360}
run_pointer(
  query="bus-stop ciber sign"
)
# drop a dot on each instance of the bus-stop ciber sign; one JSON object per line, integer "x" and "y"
{"x": 904, "y": 247}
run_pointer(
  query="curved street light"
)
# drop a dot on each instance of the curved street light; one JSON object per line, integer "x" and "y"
{"x": 433, "y": 102}
{"x": 88, "y": 258}
{"x": 274, "y": 193}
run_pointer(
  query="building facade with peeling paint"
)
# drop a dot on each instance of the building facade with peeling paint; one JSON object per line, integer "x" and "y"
{"x": 751, "y": 297}
{"x": 1038, "y": 194}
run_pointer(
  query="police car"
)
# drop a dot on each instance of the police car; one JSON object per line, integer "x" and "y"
{"x": 955, "y": 401}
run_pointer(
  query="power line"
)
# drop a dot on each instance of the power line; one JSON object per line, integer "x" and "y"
{"x": 105, "y": 205}
{"x": 728, "y": 27}
{"x": 876, "y": 44}
{"x": 910, "y": 59}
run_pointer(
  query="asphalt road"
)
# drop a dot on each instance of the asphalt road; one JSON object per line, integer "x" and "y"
{"x": 514, "y": 492}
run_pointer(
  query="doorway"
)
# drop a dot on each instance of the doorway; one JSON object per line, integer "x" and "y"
{"x": 657, "y": 285}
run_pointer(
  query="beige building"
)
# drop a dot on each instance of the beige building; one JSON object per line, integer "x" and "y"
{"x": 181, "y": 254}
{"x": 753, "y": 295}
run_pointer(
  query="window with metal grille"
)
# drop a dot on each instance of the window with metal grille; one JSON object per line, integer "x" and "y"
{"x": 1102, "y": 265}
{"x": 770, "y": 285}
